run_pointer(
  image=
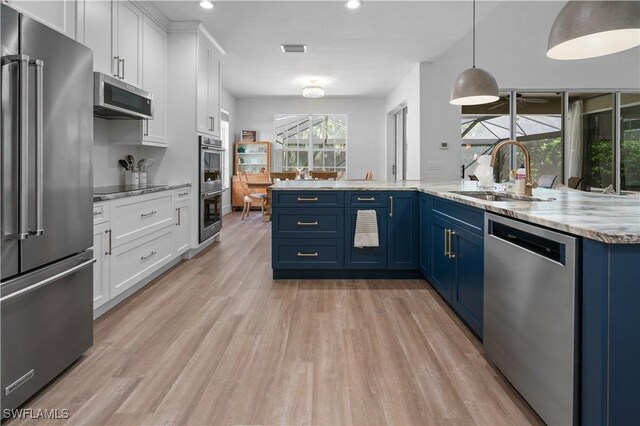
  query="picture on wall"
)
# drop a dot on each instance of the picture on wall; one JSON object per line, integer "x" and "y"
{"x": 249, "y": 135}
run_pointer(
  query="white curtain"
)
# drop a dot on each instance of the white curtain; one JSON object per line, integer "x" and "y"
{"x": 575, "y": 139}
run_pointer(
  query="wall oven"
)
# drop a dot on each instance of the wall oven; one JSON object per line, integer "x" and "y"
{"x": 211, "y": 164}
{"x": 211, "y": 186}
{"x": 210, "y": 214}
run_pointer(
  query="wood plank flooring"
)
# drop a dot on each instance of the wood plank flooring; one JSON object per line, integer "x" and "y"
{"x": 217, "y": 341}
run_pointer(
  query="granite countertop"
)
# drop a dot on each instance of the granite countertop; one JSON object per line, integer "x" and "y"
{"x": 105, "y": 193}
{"x": 611, "y": 219}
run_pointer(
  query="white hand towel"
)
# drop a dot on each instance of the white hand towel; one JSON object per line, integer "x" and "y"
{"x": 366, "y": 229}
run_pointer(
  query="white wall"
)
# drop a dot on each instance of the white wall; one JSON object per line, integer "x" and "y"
{"x": 106, "y": 170}
{"x": 406, "y": 93}
{"x": 366, "y": 146}
{"x": 228, "y": 103}
{"x": 511, "y": 44}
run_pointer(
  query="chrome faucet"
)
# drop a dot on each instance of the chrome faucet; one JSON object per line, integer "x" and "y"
{"x": 528, "y": 183}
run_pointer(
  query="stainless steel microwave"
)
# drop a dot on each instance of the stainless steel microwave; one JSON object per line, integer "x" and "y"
{"x": 114, "y": 99}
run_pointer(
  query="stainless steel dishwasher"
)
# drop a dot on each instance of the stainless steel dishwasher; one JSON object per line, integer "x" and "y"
{"x": 530, "y": 313}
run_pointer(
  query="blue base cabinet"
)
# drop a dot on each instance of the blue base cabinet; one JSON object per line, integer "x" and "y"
{"x": 456, "y": 258}
{"x": 365, "y": 257}
{"x": 423, "y": 211}
{"x": 403, "y": 230}
{"x": 610, "y": 333}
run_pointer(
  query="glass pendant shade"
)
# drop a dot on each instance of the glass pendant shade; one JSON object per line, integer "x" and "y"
{"x": 313, "y": 92}
{"x": 588, "y": 29}
{"x": 474, "y": 86}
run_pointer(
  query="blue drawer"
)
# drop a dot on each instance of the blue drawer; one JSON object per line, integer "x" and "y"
{"x": 307, "y": 198}
{"x": 307, "y": 254}
{"x": 308, "y": 223}
{"x": 364, "y": 199}
{"x": 467, "y": 217}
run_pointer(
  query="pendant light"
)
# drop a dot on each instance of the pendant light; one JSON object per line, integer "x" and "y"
{"x": 474, "y": 86}
{"x": 313, "y": 91}
{"x": 587, "y": 29}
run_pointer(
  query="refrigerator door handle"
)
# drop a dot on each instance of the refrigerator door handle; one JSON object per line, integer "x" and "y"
{"x": 23, "y": 149}
{"x": 39, "y": 146}
{"x": 49, "y": 280}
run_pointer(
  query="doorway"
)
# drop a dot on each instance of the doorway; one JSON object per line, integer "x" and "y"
{"x": 399, "y": 168}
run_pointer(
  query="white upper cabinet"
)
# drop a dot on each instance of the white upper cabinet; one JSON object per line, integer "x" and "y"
{"x": 98, "y": 35}
{"x": 113, "y": 30}
{"x": 154, "y": 80}
{"x": 128, "y": 41}
{"x": 208, "y": 88}
{"x": 58, "y": 14}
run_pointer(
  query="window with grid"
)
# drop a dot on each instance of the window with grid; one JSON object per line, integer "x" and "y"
{"x": 311, "y": 142}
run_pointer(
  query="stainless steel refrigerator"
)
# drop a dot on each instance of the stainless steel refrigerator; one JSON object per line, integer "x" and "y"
{"x": 46, "y": 275}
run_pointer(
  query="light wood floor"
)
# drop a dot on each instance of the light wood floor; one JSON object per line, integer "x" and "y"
{"x": 217, "y": 341}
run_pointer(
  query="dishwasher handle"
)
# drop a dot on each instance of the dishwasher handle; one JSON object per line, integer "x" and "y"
{"x": 545, "y": 247}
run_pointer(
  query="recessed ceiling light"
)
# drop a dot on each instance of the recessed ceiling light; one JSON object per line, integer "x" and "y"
{"x": 294, "y": 48}
{"x": 353, "y": 4}
{"x": 206, "y": 4}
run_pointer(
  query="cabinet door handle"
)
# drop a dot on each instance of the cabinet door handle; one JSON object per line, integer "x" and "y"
{"x": 178, "y": 224}
{"x": 151, "y": 213}
{"x": 390, "y": 205}
{"x": 122, "y": 60}
{"x": 451, "y": 254}
{"x": 446, "y": 239}
{"x": 108, "y": 253}
{"x": 146, "y": 128}
{"x": 308, "y": 223}
{"x": 116, "y": 68}
{"x": 308, "y": 199}
{"x": 366, "y": 199}
{"x": 315, "y": 254}
{"x": 150, "y": 255}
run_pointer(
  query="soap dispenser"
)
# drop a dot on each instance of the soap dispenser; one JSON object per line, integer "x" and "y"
{"x": 521, "y": 180}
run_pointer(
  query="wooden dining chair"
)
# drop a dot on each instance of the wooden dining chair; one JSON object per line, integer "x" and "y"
{"x": 282, "y": 176}
{"x": 323, "y": 175}
{"x": 250, "y": 195}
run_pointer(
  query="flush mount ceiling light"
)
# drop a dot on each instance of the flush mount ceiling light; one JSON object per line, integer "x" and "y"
{"x": 206, "y": 4}
{"x": 353, "y": 4}
{"x": 293, "y": 48}
{"x": 313, "y": 91}
{"x": 474, "y": 86}
{"x": 587, "y": 29}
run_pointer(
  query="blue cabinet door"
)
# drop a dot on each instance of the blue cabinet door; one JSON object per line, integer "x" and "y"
{"x": 365, "y": 257}
{"x": 468, "y": 283}
{"x": 403, "y": 230}
{"x": 423, "y": 210}
{"x": 440, "y": 265}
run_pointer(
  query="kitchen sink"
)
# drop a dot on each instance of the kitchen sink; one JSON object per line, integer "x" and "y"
{"x": 499, "y": 196}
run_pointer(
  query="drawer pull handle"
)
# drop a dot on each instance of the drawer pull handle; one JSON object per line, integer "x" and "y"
{"x": 150, "y": 255}
{"x": 308, "y": 199}
{"x": 308, "y": 223}
{"x": 151, "y": 213}
{"x": 366, "y": 199}
{"x": 308, "y": 254}
{"x": 183, "y": 194}
{"x": 97, "y": 213}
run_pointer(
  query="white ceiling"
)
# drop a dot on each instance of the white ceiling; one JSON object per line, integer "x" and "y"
{"x": 366, "y": 52}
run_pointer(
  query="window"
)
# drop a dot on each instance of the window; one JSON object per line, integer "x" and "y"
{"x": 226, "y": 142}
{"x": 311, "y": 142}
{"x": 630, "y": 142}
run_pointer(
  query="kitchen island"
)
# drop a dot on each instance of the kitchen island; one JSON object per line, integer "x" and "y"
{"x": 437, "y": 231}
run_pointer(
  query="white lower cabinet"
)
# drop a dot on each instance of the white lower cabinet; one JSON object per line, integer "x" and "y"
{"x": 182, "y": 231}
{"x": 101, "y": 267}
{"x": 133, "y": 261}
{"x": 134, "y": 237}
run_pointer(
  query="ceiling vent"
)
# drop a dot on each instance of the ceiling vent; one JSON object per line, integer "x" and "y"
{"x": 294, "y": 48}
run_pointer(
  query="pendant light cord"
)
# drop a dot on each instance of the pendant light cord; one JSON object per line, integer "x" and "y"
{"x": 474, "y": 33}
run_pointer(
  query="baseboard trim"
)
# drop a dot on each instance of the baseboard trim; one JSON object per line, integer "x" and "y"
{"x": 319, "y": 274}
